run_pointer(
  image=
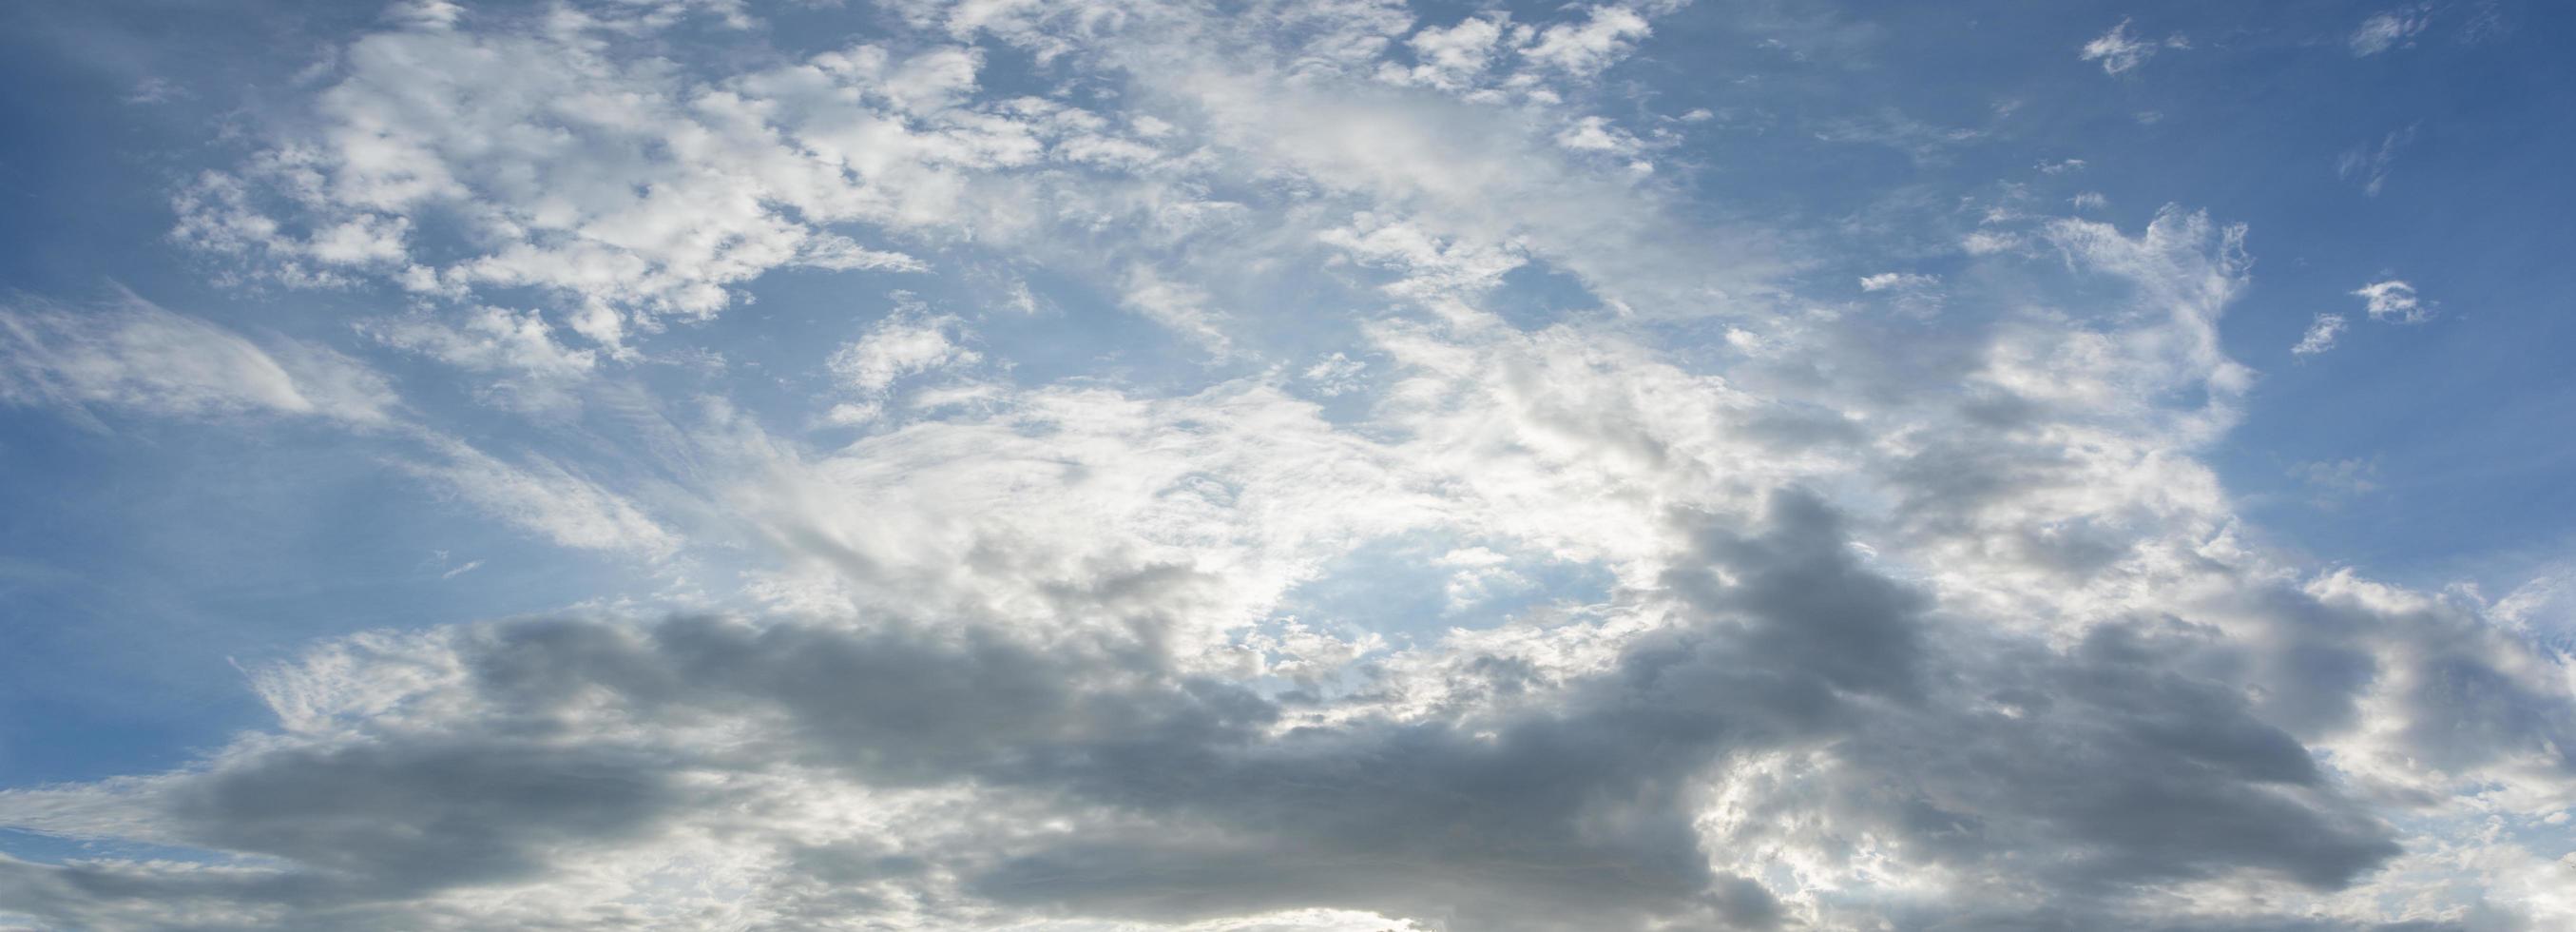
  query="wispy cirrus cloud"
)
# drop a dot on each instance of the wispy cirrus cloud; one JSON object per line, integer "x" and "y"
{"x": 2387, "y": 30}
{"x": 129, "y": 353}
{"x": 2120, "y": 52}
{"x": 2321, "y": 335}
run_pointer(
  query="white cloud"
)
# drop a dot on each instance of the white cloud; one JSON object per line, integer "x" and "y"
{"x": 2119, "y": 52}
{"x": 1596, "y": 134}
{"x": 2320, "y": 336}
{"x": 535, "y": 372}
{"x": 133, "y": 354}
{"x": 1605, "y": 35}
{"x": 908, "y": 342}
{"x": 136, "y": 356}
{"x": 1183, "y": 308}
{"x": 541, "y": 496}
{"x": 1989, "y": 242}
{"x": 1336, "y": 374}
{"x": 900, "y": 345}
{"x": 2368, "y": 165}
{"x": 1913, "y": 292}
{"x": 2393, "y": 301}
{"x": 840, "y": 254}
{"x": 1890, "y": 620}
{"x": 602, "y": 175}
{"x": 1453, "y": 57}
{"x": 2384, "y": 31}
{"x": 2544, "y": 604}
{"x": 1898, "y": 281}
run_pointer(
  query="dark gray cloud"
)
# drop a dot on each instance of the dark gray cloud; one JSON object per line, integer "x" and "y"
{"x": 2063, "y": 779}
{"x": 2112, "y": 771}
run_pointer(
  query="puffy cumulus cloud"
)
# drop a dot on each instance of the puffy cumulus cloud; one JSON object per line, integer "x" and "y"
{"x": 1452, "y": 57}
{"x": 465, "y": 161}
{"x": 1787, "y": 727}
{"x": 131, "y": 354}
{"x": 903, "y": 344}
{"x": 2394, "y": 301}
{"x": 1887, "y": 621}
{"x": 1604, "y": 36}
{"x": 1490, "y": 58}
{"x": 554, "y": 155}
{"x": 2062, "y": 446}
{"x": 1021, "y": 672}
{"x": 1335, "y": 374}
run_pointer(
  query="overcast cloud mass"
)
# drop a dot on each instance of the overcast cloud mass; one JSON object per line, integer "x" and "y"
{"x": 1317, "y": 466}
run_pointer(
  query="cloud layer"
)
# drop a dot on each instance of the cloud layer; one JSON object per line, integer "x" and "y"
{"x": 1758, "y": 601}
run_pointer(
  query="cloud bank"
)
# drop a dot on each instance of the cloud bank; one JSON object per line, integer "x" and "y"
{"x": 1758, "y": 609}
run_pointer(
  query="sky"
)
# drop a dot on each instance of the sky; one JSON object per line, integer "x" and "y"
{"x": 1326, "y": 466}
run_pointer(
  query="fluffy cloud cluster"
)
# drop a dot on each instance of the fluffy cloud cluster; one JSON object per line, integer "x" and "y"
{"x": 2394, "y": 301}
{"x": 1891, "y": 621}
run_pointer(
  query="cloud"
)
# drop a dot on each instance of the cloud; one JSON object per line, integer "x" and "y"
{"x": 2394, "y": 301}
{"x": 1922, "y": 141}
{"x": 1452, "y": 57}
{"x": 1873, "y": 622}
{"x": 534, "y": 371}
{"x": 905, "y": 343}
{"x": 1604, "y": 36}
{"x": 138, "y": 357}
{"x": 1891, "y": 281}
{"x": 540, "y": 496}
{"x": 1038, "y": 711}
{"x": 2340, "y": 478}
{"x": 2320, "y": 336}
{"x": 2119, "y": 52}
{"x": 132, "y": 354}
{"x": 2384, "y": 31}
{"x": 586, "y": 171}
{"x": 426, "y": 769}
{"x": 1914, "y": 291}
{"x": 2368, "y": 166}
{"x": 1335, "y": 374}
{"x": 1181, "y": 307}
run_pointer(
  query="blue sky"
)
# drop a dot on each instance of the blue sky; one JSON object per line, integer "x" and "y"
{"x": 1071, "y": 464}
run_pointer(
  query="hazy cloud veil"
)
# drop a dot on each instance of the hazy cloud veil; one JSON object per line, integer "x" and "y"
{"x": 1328, "y": 465}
